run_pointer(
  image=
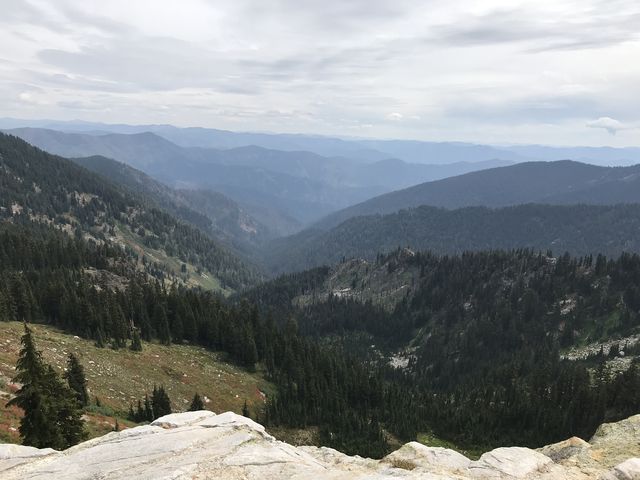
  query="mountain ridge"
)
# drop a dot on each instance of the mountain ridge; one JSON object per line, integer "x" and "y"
{"x": 562, "y": 182}
{"x": 578, "y": 229}
{"x": 53, "y": 191}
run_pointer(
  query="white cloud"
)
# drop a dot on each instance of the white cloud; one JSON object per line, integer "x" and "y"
{"x": 609, "y": 124}
{"x": 497, "y": 70}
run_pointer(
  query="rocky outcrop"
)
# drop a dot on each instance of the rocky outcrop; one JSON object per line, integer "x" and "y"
{"x": 202, "y": 445}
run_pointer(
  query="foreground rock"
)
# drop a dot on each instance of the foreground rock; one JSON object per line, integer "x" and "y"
{"x": 202, "y": 445}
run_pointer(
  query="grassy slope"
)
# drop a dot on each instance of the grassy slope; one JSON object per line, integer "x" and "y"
{"x": 119, "y": 378}
{"x": 206, "y": 280}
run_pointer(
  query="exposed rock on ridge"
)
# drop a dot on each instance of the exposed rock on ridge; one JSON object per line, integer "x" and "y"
{"x": 202, "y": 445}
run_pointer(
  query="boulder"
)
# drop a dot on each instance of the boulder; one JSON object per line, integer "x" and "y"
{"x": 12, "y": 455}
{"x": 565, "y": 451}
{"x": 613, "y": 443}
{"x": 202, "y": 445}
{"x": 175, "y": 420}
{"x": 430, "y": 459}
{"x": 627, "y": 470}
{"x": 510, "y": 462}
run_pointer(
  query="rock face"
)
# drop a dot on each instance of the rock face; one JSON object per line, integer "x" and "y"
{"x": 202, "y": 445}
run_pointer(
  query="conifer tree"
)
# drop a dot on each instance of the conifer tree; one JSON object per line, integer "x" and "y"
{"x": 136, "y": 344}
{"x": 148, "y": 410}
{"x": 76, "y": 379}
{"x": 66, "y": 412}
{"x": 196, "y": 403}
{"x": 52, "y": 417}
{"x": 245, "y": 410}
{"x": 36, "y": 427}
{"x": 161, "y": 320}
{"x": 99, "y": 338}
{"x": 160, "y": 402}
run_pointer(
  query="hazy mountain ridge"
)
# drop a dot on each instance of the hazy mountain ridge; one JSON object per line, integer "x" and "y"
{"x": 209, "y": 211}
{"x": 561, "y": 182}
{"x": 298, "y": 184}
{"x": 366, "y": 150}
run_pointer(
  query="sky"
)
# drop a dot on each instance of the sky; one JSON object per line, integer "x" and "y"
{"x": 558, "y": 72}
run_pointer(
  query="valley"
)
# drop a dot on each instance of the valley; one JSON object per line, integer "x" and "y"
{"x": 338, "y": 240}
{"x": 359, "y": 332}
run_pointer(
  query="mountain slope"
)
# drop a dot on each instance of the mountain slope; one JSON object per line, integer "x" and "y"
{"x": 209, "y": 211}
{"x": 299, "y": 184}
{"x": 118, "y": 377}
{"x": 578, "y": 229}
{"x": 562, "y": 182}
{"x": 51, "y": 190}
{"x": 490, "y": 325}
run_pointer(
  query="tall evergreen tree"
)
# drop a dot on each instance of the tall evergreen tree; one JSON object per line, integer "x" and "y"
{"x": 76, "y": 379}
{"x": 160, "y": 402}
{"x": 148, "y": 410}
{"x": 136, "y": 344}
{"x": 36, "y": 426}
{"x": 52, "y": 417}
{"x": 65, "y": 411}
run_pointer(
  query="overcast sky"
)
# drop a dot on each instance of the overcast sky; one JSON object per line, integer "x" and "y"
{"x": 539, "y": 71}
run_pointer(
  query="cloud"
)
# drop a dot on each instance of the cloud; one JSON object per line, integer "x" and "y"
{"x": 601, "y": 28}
{"x": 611, "y": 125}
{"x": 499, "y": 70}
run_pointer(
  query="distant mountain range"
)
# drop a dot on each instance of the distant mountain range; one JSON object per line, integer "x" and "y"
{"x": 258, "y": 200}
{"x": 368, "y": 151}
{"x": 561, "y": 183}
{"x": 282, "y": 189}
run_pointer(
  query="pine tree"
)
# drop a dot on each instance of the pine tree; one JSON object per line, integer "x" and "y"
{"x": 148, "y": 410}
{"x": 245, "y": 410}
{"x": 136, "y": 344}
{"x": 99, "y": 338}
{"x": 160, "y": 402}
{"x": 52, "y": 417}
{"x": 66, "y": 411}
{"x": 76, "y": 379}
{"x": 196, "y": 403}
{"x": 139, "y": 415}
{"x": 36, "y": 426}
{"x": 162, "y": 322}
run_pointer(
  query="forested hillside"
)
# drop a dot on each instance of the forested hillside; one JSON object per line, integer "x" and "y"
{"x": 282, "y": 189}
{"x": 42, "y": 188}
{"x": 478, "y": 349}
{"x": 554, "y": 183}
{"x": 89, "y": 290}
{"x": 480, "y": 340}
{"x": 578, "y": 229}
{"x": 210, "y": 211}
